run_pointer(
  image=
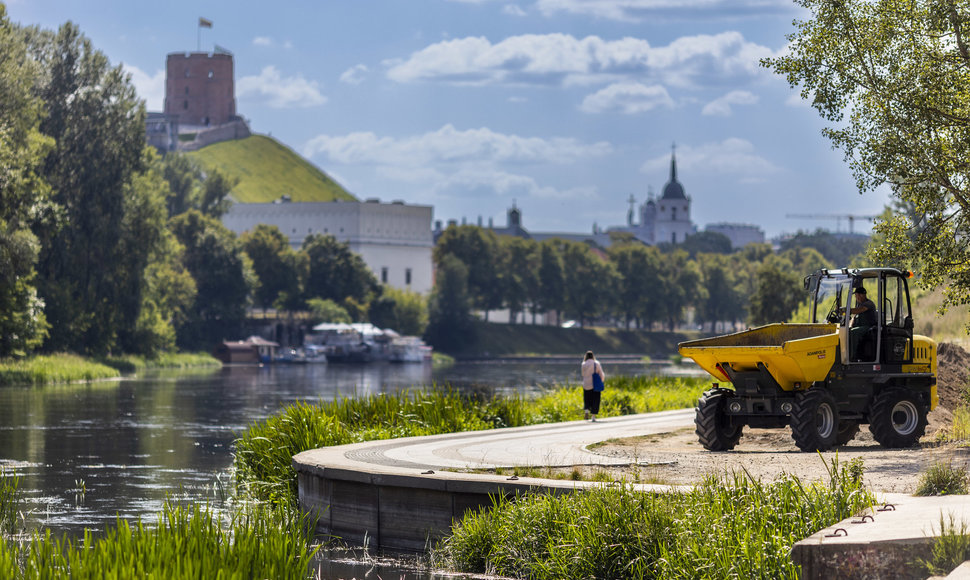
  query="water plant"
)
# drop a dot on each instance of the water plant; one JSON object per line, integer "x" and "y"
{"x": 56, "y": 368}
{"x": 725, "y": 527}
{"x": 257, "y": 541}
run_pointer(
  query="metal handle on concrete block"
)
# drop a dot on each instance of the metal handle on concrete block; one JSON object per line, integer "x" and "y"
{"x": 836, "y": 533}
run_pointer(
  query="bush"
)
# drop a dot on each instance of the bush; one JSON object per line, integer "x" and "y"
{"x": 943, "y": 479}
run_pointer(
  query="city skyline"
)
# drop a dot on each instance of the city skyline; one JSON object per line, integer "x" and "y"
{"x": 568, "y": 107}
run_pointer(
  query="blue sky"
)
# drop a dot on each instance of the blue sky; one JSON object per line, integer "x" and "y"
{"x": 564, "y": 107}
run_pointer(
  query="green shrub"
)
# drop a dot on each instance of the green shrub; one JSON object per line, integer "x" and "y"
{"x": 950, "y": 549}
{"x": 943, "y": 479}
{"x": 736, "y": 527}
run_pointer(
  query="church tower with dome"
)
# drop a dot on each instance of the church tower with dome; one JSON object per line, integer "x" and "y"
{"x": 666, "y": 219}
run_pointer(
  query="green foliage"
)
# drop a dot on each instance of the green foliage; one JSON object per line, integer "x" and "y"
{"x": 327, "y": 311}
{"x": 56, "y": 368}
{"x": 266, "y": 170}
{"x": 11, "y": 503}
{"x": 280, "y": 270}
{"x": 835, "y": 251}
{"x": 335, "y": 272}
{"x": 951, "y": 548}
{"x": 778, "y": 294}
{"x": 402, "y": 310}
{"x": 23, "y": 195}
{"x": 942, "y": 478}
{"x": 450, "y": 325}
{"x": 479, "y": 250}
{"x": 264, "y": 452}
{"x": 223, "y": 275}
{"x": 256, "y": 542}
{"x": 91, "y": 265}
{"x": 737, "y": 527}
{"x": 890, "y": 78}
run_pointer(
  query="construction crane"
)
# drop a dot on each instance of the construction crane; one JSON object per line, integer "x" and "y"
{"x": 838, "y": 217}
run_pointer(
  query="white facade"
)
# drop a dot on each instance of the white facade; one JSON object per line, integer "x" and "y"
{"x": 393, "y": 239}
{"x": 740, "y": 234}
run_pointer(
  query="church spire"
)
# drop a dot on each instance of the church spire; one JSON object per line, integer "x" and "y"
{"x": 673, "y": 189}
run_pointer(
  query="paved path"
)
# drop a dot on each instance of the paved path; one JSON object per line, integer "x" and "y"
{"x": 549, "y": 445}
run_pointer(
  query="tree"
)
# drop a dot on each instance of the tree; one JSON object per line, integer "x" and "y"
{"x": 402, "y": 310}
{"x": 450, "y": 325}
{"x": 327, "y": 310}
{"x": 335, "y": 272}
{"x": 23, "y": 196}
{"x": 479, "y": 250}
{"x": 778, "y": 293}
{"x": 280, "y": 270}
{"x": 898, "y": 70}
{"x": 91, "y": 266}
{"x": 223, "y": 274}
{"x": 724, "y": 303}
{"x": 683, "y": 286}
{"x": 520, "y": 264}
{"x": 638, "y": 269}
{"x": 552, "y": 281}
{"x": 706, "y": 243}
{"x": 590, "y": 282}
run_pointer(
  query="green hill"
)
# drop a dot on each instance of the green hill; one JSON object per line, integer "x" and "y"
{"x": 267, "y": 169}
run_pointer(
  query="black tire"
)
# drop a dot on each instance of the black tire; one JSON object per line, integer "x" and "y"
{"x": 847, "y": 432}
{"x": 897, "y": 418}
{"x": 814, "y": 420}
{"x": 714, "y": 428}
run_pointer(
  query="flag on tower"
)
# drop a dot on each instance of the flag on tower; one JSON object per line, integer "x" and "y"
{"x": 205, "y": 23}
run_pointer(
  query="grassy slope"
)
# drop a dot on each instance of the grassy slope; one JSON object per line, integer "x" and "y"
{"x": 525, "y": 339}
{"x": 267, "y": 169}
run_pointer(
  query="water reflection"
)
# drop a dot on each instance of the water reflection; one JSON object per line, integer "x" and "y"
{"x": 89, "y": 453}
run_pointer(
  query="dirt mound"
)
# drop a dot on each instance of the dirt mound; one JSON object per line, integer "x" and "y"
{"x": 952, "y": 374}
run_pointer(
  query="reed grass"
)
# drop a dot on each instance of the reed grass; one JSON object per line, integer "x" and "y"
{"x": 55, "y": 368}
{"x": 943, "y": 478}
{"x": 11, "y": 501}
{"x": 258, "y": 541}
{"x": 950, "y": 549}
{"x": 263, "y": 453}
{"x": 130, "y": 363}
{"x": 730, "y": 527}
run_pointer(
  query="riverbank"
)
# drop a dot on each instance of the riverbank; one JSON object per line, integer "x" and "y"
{"x": 70, "y": 368}
{"x": 504, "y": 340}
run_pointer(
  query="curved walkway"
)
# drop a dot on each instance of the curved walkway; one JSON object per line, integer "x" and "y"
{"x": 403, "y": 494}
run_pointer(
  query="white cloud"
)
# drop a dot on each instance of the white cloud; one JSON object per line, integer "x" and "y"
{"x": 637, "y": 10}
{"x": 149, "y": 87}
{"x": 731, "y": 157}
{"x": 448, "y": 145}
{"x": 721, "y": 106}
{"x": 278, "y": 92}
{"x": 561, "y": 59}
{"x": 627, "y": 97}
{"x": 513, "y": 10}
{"x": 456, "y": 162}
{"x": 354, "y": 75}
{"x": 262, "y": 41}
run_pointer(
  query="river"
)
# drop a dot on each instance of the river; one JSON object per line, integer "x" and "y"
{"x": 89, "y": 453}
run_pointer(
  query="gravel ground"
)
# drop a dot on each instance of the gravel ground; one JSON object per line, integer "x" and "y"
{"x": 677, "y": 457}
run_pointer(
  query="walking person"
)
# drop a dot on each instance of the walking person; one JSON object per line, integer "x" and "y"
{"x": 592, "y": 386}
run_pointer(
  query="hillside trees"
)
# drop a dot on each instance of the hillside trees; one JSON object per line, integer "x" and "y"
{"x": 449, "y": 308}
{"x": 478, "y": 249}
{"x": 23, "y": 196}
{"x": 281, "y": 272}
{"x": 890, "y": 77}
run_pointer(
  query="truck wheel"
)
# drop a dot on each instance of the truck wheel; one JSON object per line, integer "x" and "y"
{"x": 814, "y": 420}
{"x": 897, "y": 418}
{"x": 714, "y": 429}
{"x": 847, "y": 432}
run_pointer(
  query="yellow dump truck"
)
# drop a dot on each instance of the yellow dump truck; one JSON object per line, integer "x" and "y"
{"x": 855, "y": 362}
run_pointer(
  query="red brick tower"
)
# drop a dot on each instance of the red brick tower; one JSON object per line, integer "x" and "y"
{"x": 199, "y": 88}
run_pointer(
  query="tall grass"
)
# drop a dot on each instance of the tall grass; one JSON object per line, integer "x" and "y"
{"x": 735, "y": 527}
{"x": 951, "y": 548}
{"x": 56, "y": 368}
{"x": 131, "y": 363}
{"x": 256, "y": 542}
{"x": 263, "y": 453}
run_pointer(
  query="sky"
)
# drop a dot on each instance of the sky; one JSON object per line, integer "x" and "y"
{"x": 565, "y": 108}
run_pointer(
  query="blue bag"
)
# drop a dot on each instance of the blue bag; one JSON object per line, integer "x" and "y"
{"x": 598, "y": 382}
